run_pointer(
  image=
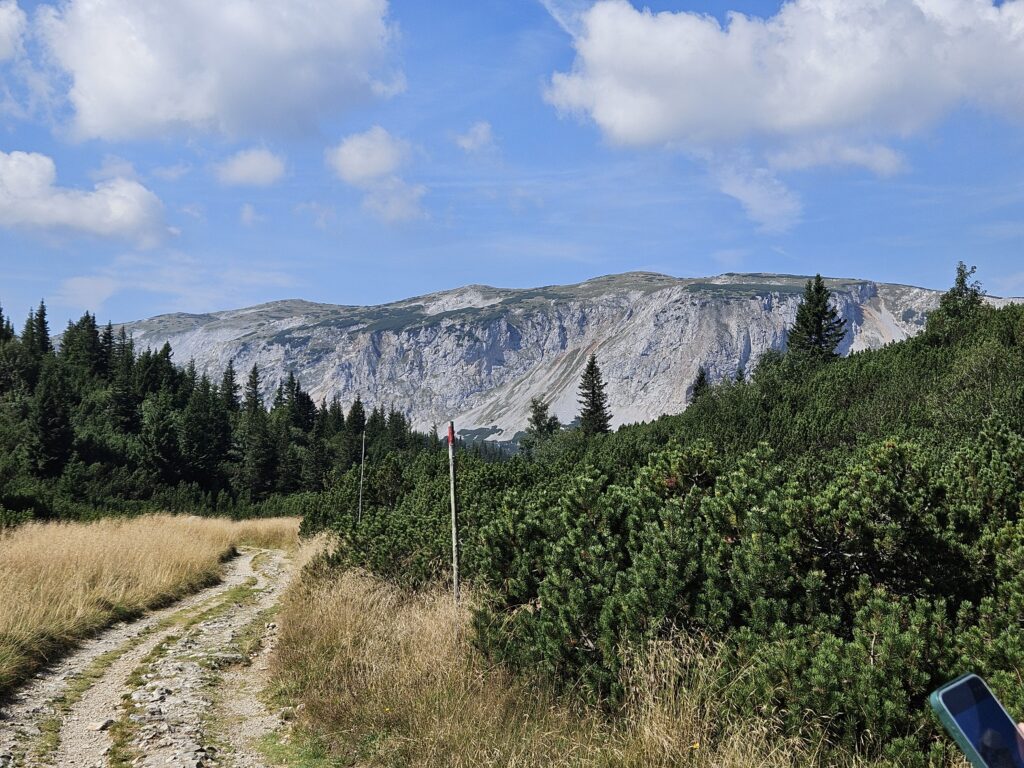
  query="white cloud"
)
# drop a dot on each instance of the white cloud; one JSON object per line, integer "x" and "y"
{"x": 766, "y": 200}
{"x": 370, "y": 161}
{"x": 114, "y": 167}
{"x": 396, "y": 201}
{"x": 568, "y": 13}
{"x": 819, "y": 83}
{"x": 816, "y": 68}
{"x": 115, "y": 207}
{"x": 364, "y": 158}
{"x": 172, "y": 172}
{"x": 195, "y": 210}
{"x": 188, "y": 283}
{"x": 248, "y": 216}
{"x": 478, "y": 138}
{"x": 12, "y": 29}
{"x": 142, "y": 69}
{"x": 877, "y": 158}
{"x": 251, "y": 167}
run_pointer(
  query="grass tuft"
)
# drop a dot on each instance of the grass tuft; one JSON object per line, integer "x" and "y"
{"x": 383, "y": 677}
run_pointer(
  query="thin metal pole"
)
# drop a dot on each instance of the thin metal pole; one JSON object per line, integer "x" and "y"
{"x": 362, "y": 465}
{"x": 455, "y": 522}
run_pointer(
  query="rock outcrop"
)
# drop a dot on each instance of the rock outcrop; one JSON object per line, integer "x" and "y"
{"x": 478, "y": 354}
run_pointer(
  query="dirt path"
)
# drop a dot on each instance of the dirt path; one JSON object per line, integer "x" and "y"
{"x": 142, "y": 693}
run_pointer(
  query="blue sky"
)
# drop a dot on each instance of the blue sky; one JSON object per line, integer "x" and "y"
{"x": 194, "y": 156}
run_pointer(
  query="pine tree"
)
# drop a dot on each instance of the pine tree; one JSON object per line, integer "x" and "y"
{"x": 818, "y": 329}
{"x": 355, "y": 422}
{"x": 158, "y": 435}
{"x": 700, "y": 385}
{"x": 965, "y": 297}
{"x": 107, "y": 349}
{"x": 355, "y": 425}
{"x": 259, "y": 455}
{"x": 6, "y": 329}
{"x": 541, "y": 423}
{"x": 335, "y": 418}
{"x": 50, "y": 422}
{"x": 253, "y": 399}
{"x": 594, "y": 416}
{"x": 199, "y": 439}
{"x": 741, "y": 374}
{"x": 229, "y": 388}
{"x": 124, "y": 398}
{"x": 43, "y": 344}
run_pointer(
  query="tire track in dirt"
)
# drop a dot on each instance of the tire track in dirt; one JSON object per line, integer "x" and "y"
{"x": 37, "y": 719}
{"x": 175, "y": 718}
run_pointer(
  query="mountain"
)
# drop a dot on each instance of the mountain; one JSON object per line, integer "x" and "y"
{"x": 478, "y": 354}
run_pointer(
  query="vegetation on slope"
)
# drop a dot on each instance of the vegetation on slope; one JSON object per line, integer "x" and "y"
{"x": 847, "y": 532}
{"x": 385, "y": 677}
{"x": 96, "y": 427}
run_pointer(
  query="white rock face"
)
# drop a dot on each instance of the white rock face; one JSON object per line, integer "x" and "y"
{"x": 478, "y": 354}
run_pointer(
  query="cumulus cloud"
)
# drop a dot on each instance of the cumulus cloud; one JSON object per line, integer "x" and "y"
{"x": 115, "y": 207}
{"x": 251, "y": 167}
{"x": 142, "y": 69}
{"x": 819, "y": 83}
{"x": 766, "y": 200}
{"x": 364, "y": 158}
{"x": 478, "y": 138}
{"x": 370, "y": 161}
{"x": 815, "y": 68}
{"x": 12, "y": 28}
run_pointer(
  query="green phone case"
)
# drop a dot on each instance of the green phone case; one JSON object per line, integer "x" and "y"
{"x": 950, "y": 724}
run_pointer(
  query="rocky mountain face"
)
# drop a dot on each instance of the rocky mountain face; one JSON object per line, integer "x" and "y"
{"x": 478, "y": 354}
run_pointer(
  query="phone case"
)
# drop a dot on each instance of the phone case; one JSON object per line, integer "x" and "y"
{"x": 950, "y": 724}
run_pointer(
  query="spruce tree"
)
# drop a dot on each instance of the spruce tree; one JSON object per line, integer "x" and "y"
{"x": 253, "y": 398}
{"x": 124, "y": 398}
{"x": 818, "y": 329}
{"x": 541, "y": 423}
{"x": 50, "y": 422}
{"x": 229, "y": 388}
{"x": 107, "y": 349}
{"x": 594, "y": 416}
{"x": 701, "y": 384}
{"x": 6, "y": 329}
{"x": 42, "y": 331}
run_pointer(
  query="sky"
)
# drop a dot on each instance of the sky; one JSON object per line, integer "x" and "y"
{"x": 195, "y": 156}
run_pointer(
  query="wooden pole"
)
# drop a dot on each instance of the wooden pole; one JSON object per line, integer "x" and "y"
{"x": 362, "y": 464}
{"x": 455, "y": 522}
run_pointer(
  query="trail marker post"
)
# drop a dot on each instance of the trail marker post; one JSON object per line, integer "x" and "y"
{"x": 455, "y": 522}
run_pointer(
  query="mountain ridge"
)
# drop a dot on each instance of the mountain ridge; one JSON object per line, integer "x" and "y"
{"x": 477, "y": 354}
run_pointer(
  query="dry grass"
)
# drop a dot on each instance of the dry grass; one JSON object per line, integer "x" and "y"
{"x": 386, "y": 678}
{"x": 62, "y": 582}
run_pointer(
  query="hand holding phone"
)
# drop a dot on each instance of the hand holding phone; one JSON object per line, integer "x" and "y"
{"x": 979, "y": 723}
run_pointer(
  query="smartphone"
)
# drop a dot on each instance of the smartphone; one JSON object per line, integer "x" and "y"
{"x": 980, "y": 725}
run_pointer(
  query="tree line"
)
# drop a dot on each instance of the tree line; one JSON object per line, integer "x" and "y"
{"x": 94, "y": 426}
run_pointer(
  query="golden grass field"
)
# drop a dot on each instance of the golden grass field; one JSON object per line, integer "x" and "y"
{"x": 382, "y": 677}
{"x": 61, "y": 582}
